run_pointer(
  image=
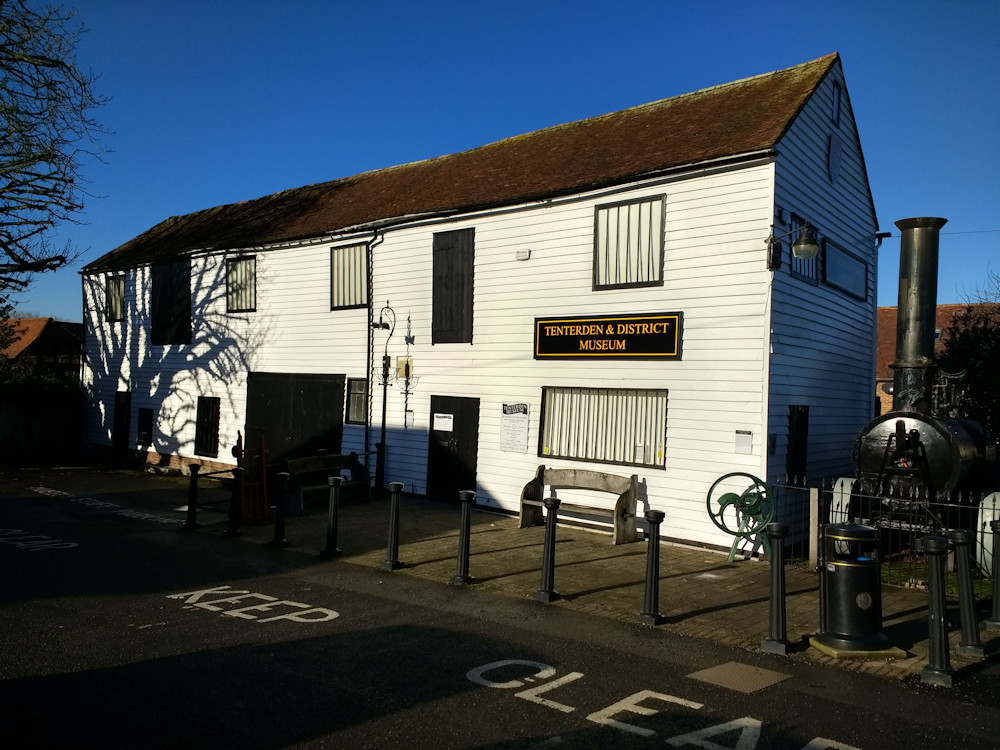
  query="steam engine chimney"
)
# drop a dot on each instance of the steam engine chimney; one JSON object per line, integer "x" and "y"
{"x": 916, "y": 314}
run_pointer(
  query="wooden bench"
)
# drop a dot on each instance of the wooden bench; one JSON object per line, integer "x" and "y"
{"x": 312, "y": 473}
{"x": 626, "y": 488}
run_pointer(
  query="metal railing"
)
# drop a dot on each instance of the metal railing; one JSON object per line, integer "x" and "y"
{"x": 900, "y": 523}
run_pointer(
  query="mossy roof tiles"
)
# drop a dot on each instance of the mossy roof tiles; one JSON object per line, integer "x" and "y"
{"x": 742, "y": 117}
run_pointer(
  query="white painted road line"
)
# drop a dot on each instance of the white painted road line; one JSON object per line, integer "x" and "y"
{"x": 95, "y": 504}
{"x": 749, "y": 728}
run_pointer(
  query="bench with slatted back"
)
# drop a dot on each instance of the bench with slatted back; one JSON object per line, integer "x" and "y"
{"x": 311, "y": 474}
{"x": 626, "y": 488}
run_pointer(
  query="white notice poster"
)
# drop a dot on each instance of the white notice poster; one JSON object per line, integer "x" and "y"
{"x": 443, "y": 422}
{"x": 744, "y": 441}
{"x": 514, "y": 428}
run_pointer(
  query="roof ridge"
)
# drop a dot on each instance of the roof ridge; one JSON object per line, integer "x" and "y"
{"x": 728, "y": 120}
{"x": 548, "y": 129}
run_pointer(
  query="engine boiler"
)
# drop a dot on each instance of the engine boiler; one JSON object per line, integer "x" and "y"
{"x": 909, "y": 452}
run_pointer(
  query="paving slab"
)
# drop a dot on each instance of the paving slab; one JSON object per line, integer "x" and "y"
{"x": 700, "y": 593}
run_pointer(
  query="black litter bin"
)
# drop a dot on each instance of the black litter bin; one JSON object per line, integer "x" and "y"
{"x": 850, "y": 593}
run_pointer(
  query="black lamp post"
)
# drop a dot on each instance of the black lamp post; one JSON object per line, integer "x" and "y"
{"x": 386, "y": 321}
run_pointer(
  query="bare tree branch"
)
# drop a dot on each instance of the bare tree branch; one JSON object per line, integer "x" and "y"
{"x": 47, "y": 134}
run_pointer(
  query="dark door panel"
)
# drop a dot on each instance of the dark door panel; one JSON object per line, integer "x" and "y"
{"x": 453, "y": 449}
{"x": 298, "y": 413}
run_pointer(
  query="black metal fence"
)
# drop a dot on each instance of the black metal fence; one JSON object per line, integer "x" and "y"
{"x": 900, "y": 522}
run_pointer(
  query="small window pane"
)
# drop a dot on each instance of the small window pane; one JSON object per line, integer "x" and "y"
{"x": 206, "y": 436}
{"x": 241, "y": 284}
{"x": 628, "y": 244}
{"x": 357, "y": 401}
{"x": 348, "y": 277}
{"x": 115, "y": 298}
{"x": 607, "y": 425}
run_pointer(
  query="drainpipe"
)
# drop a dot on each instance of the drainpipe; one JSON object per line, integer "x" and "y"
{"x": 370, "y": 245}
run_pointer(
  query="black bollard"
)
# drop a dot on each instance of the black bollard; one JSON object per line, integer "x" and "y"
{"x": 650, "y": 614}
{"x": 777, "y": 635}
{"x": 391, "y": 561}
{"x": 235, "y": 504}
{"x": 191, "y": 520}
{"x": 279, "y": 512}
{"x": 994, "y": 622}
{"x": 938, "y": 670}
{"x": 970, "y": 645}
{"x": 332, "y": 520}
{"x": 462, "y": 577}
{"x": 546, "y": 592}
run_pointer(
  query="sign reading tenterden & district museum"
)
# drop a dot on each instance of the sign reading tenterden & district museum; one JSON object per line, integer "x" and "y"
{"x": 650, "y": 336}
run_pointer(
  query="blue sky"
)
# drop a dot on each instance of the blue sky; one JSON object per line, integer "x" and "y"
{"x": 221, "y": 101}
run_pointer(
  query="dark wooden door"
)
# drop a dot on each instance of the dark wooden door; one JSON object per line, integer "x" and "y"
{"x": 298, "y": 413}
{"x": 454, "y": 447}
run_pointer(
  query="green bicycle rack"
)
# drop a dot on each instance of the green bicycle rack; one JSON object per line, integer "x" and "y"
{"x": 744, "y": 515}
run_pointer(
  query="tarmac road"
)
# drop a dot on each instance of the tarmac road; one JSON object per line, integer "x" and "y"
{"x": 118, "y": 630}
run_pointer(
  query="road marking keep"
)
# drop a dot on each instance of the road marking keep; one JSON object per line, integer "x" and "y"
{"x": 32, "y": 542}
{"x": 299, "y": 612}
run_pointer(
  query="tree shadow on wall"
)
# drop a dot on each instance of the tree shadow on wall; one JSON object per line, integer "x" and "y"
{"x": 167, "y": 379}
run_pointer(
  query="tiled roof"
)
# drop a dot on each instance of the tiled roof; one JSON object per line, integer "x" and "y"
{"x": 737, "y": 118}
{"x": 28, "y": 329}
{"x": 885, "y": 329}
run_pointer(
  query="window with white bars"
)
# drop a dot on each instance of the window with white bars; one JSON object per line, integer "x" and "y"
{"x": 206, "y": 426}
{"x": 628, "y": 244}
{"x": 357, "y": 401}
{"x": 114, "y": 291}
{"x": 606, "y": 425}
{"x": 241, "y": 284}
{"x": 348, "y": 277}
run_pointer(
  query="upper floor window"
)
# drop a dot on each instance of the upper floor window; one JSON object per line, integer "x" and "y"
{"x": 348, "y": 277}
{"x": 241, "y": 284}
{"x": 806, "y": 269}
{"x": 835, "y": 108}
{"x": 170, "y": 302}
{"x": 628, "y": 244}
{"x": 114, "y": 293}
{"x": 454, "y": 253}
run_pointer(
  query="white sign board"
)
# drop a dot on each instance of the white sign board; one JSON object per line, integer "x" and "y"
{"x": 514, "y": 428}
{"x": 443, "y": 422}
{"x": 744, "y": 441}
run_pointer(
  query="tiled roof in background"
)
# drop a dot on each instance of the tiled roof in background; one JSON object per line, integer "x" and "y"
{"x": 885, "y": 324}
{"x": 30, "y": 329}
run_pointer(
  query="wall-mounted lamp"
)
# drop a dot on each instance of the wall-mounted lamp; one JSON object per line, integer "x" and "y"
{"x": 805, "y": 246}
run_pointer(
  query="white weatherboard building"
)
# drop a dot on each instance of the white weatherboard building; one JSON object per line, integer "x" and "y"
{"x": 597, "y": 295}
